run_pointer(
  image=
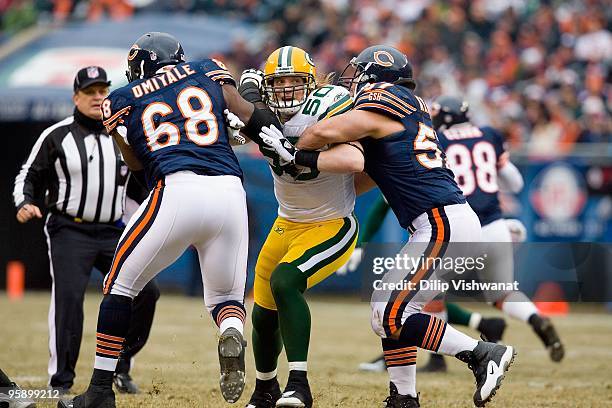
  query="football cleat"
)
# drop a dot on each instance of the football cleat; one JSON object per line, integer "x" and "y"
{"x": 492, "y": 329}
{"x": 9, "y": 401}
{"x": 488, "y": 362}
{"x": 265, "y": 396}
{"x": 547, "y": 333}
{"x": 13, "y": 402}
{"x": 124, "y": 383}
{"x": 94, "y": 397}
{"x": 297, "y": 392}
{"x": 231, "y": 362}
{"x": 377, "y": 365}
{"x": 436, "y": 364}
{"x": 396, "y": 400}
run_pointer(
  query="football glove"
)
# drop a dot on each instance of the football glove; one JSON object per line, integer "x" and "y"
{"x": 517, "y": 230}
{"x": 233, "y": 126}
{"x": 274, "y": 139}
{"x": 254, "y": 76}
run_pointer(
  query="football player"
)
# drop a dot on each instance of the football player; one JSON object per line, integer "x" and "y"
{"x": 315, "y": 231}
{"x": 492, "y": 328}
{"x": 169, "y": 120}
{"x": 404, "y": 158}
{"x": 481, "y": 165}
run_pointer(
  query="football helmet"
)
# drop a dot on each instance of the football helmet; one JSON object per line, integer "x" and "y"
{"x": 448, "y": 111}
{"x": 285, "y": 62}
{"x": 378, "y": 63}
{"x": 151, "y": 52}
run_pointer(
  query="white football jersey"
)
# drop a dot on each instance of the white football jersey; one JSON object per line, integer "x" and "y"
{"x": 305, "y": 195}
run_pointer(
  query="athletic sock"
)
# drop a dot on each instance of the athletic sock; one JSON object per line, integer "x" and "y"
{"x": 458, "y": 315}
{"x": 288, "y": 284}
{"x": 423, "y": 330}
{"x": 518, "y": 306}
{"x": 229, "y": 314}
{"x": 401, "y": 365}
{"x": 454, "y": 342}
{"x": 113, "y": 324}
{"x": 475, "y": 320}
{"x": 267, "y": 342}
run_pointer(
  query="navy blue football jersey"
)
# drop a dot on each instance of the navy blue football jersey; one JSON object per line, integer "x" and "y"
{"x": 174, "y": 121}
{"x": 474, "y": 154}
{"x": 409, "y": 166}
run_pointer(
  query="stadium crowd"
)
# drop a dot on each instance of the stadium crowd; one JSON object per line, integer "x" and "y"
{"x": 539, "y": 70}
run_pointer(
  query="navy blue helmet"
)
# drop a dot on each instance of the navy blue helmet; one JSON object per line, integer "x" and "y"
{"x": 151, "y": 52}
{"x": 378, "y": 63}
{"x": 448, "y": 111}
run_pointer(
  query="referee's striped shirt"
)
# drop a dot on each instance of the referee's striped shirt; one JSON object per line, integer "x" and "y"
{"x": 77, "y": 170}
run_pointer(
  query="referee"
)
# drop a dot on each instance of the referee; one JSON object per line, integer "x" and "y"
{"x": 76, "y": 169}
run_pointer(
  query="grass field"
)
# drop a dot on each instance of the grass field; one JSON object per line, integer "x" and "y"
{"x": 179, "y": 368}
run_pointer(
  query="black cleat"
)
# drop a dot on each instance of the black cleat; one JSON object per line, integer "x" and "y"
{"x": 547, "y": 333}
{"x": 436, "y": 364}
{"x": 265, "y": 395}
{"x": 488, "y": 362}
{"x": 124, "y": 383}
{"x": 94, "y": 397}
{"x": 231, "y": 361}
{"x": 492, "y": 329}
{"x": 297, "y": 392}
{"x": 9, "y": 400}
{"x": 396, "y": 400}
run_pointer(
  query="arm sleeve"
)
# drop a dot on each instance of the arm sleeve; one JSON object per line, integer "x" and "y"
{"x": 375, "y": 218}
{"x": 510, "y": 178}
{"x": 31, "y": 182}
{"x": 136, "y": 186}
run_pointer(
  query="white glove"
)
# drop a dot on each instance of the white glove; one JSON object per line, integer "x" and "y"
{"x": 234, "y": 124}
{"x": 252, "y": 75}
{"x": 353, "y": 262}
{"x": 122, "y": 130}
{"x": 274, "y": 139}
{"x": 517, "y": 230}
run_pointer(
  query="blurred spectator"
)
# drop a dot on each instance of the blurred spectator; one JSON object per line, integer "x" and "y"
{"x": 596, "y": 123}
{"x": 533, "y": 68}
{"x": 16, "y": 15}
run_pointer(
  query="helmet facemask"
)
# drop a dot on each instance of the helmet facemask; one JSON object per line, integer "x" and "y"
{"x": 354, "y": 77}
{"x": 288, "y": 97}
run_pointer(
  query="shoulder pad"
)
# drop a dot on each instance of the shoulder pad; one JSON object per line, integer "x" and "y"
{"x": 215, "y": 70}
{"x": 327, "y": 101}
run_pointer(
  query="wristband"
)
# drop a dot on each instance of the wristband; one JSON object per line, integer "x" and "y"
{"x": 307, "y": 158}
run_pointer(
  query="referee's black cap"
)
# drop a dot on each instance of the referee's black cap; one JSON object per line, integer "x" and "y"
{"x": 90, "y": 75}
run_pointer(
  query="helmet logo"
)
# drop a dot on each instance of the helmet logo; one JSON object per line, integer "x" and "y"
{"x": 308, "y": 59}
{"x": 133, "y": 52}
{"x": 384, "y": 58}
